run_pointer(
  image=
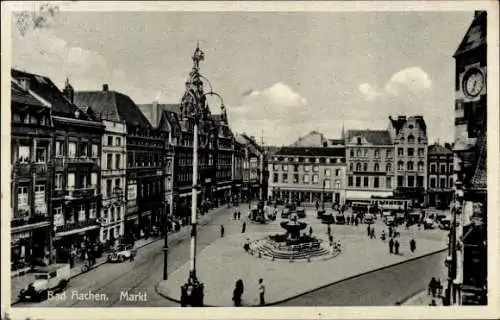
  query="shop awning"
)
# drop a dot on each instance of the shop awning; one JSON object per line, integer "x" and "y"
{"x": 75, "y": 231}
{"x": 223, "y": 188}
{"x": 28, "y": 227}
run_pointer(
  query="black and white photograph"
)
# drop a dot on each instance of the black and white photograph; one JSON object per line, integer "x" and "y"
{"x": 227, "y": 156}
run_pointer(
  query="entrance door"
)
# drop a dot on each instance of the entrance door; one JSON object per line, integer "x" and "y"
{"x": 337, "y": 197}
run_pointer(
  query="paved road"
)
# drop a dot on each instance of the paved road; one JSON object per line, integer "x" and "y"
{"x": 141, "y": 275}
{"x": 380, "y": 288}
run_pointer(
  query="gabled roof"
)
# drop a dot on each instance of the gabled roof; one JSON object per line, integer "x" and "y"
{"x": 400, "y": 121}
{"x": 112, "y": 105}
{"x": 438, "y": 149}
{"x": 475, "y": 36}
{"x": 173, "y": 122}
{"x": 148, "y": 110}
{"x": 375, "y": 137}
{"x": 21, "y": 96}
{"x": 318, "y": 152}
{"x": 45, "y": 88}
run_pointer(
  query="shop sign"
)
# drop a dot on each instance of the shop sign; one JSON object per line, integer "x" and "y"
{"x": 16, "y": 237}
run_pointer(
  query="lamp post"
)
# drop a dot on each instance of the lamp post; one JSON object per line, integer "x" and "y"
{"x": 323, "y": 196}
{"x": 195, "y": 111}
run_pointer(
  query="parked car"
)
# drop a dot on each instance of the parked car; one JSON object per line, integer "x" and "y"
{"x": 121, "y": 253}
{"x": 328, "y": 218}
{"x": 445, "y": 224}
{"x": 301, "y": 212}
{"x": 340, "y": 219}
{"x": 51, "y": 278}
{"x": 429, "y": 224}
{"x": 369, "y": 218}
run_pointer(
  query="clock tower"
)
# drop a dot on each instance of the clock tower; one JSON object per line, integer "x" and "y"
{"x": 467, "y": 263}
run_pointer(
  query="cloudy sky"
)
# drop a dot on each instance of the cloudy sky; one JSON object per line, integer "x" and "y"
{"x": 285, "y": 74}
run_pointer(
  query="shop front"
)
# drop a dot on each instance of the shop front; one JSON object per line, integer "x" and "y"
{"x": 29, "y": 246}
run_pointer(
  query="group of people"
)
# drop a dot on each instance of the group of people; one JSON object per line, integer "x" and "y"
{"x": 239, "y": 289}
{"x": 237, "y": 215}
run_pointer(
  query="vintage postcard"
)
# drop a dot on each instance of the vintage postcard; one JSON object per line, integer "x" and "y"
{"x": 160, "y": 158}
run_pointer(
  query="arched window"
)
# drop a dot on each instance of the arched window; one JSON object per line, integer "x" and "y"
{"x": 388, "y": 167}
{"x": 376, "y": 167}
{"x": 400, "y": 165}
{"x": 365, "y": 166}
{"x": 351, "y": 166}
{"x": 358, "y": 166}
{"x": 420, "y": 166}
{"x": 411, "y": 139}
{"x": 419, "y": 140}
{"x": 410, "y": 165}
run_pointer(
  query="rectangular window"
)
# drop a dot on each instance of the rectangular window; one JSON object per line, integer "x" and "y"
{"x": 327, "y": 172}
{"x": 315, "y": 179}
{"x": 315, "y": 169}
{"x": 401, "y": 181}
{"x": 443, "y": 168}
{"x": 420, "y": 181}
{"x": 118, "y": 160}
{"x": 295, "y": 167}
{"x": 306, "y": 178}
{"x": 71, "y": 149}
{"x": 375, "y": 182}
{"x": 401, "y": 151}
{"x": 389, "y": 153}
{"x": 285, "y": 178}
{"x": 388, "y": 182}
{"x": 109, "y": 160}
{"x": 95, "y": 151}
{"x": 275, "y": 178}
{"x": 284, "y": 167}
{"x": 59, "y": 149}
{"x": 349, "y": 181}
{"x": 420, "y": 152}
{"x": 110, "y": 141}
{"x": 358, "y": 181}
{"x": 451, "y": 169}
{"x": 442, "y": 183}
{"x": 71, "y": 181}
{"x": 411, "y": 181}
{"x": 41, "y": 155}
{"x": 365, "y": 181}
{"x": 81, "y": 212}
{"x": 93, "y": 179}
{"x": 22, "y": 197}
{"x": 433, "y": 168}
{"x": 83, "y": 149}
{"x": 337, "y": 172}
{"x": 93, "y": 211}
{"x": 307, "y": 168}
{"x": 24, "y": 154}
{"x": 117, "y": 183}
{"x": 410, "y": 152}
{"x": 109, "y": 183}
{"x": 296, "y": 178}
{"x": 327, "y": 184}
{"x": 118, "y": 141}
{"x": 59, "y": 180}
{"x": 276, "y": 167}
{"x": 432, "y": 182}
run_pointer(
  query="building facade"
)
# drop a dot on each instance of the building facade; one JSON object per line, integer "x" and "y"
{"x": 370, "y": 164}
{"x": 32, "y": 136}
{"x": 409, "y": 135}
{"x": 253, "y": 173}
{"x": 467, "y": 260}
{"x": 307, "y": 175}
{"x": 440, "y": 176}
{"x": 113, "y": 179}
{"x": 145, "y": 147}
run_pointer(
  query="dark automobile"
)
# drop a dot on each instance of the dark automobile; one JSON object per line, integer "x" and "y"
{"x": 328, "y": 218}
{"x": 301, "y": 212}
{"x": 340, "y": 219}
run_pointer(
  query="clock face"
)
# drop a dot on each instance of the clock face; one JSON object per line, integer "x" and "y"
{"x": 473, "y": 83}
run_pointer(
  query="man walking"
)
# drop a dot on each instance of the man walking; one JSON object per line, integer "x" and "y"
{"x": 413, "y": 245}
{"x": 235, "y": 215}
{"x": 396, "y": 247}
{"x": 243, "y": 227}
{"x": 221, "y": 231}
{"x": 368, "y": 231}
{"x": 239, "y": 215}
{"x": 310, "y": 231}
{"x": 262, "y": 291}
{"x": 391, "y": 245}
{"x": 329, "y": 230}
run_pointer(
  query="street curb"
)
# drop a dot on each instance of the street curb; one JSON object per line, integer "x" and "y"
{"x": 323, "y": 286}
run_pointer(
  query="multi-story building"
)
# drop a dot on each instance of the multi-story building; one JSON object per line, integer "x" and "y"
{"x": 370, "y": 163}
{"x": 253, "y": 168}
{"x": 113, "y": 178}
{"x": 307, "y": 175}
{"x": 76, "y": 196}
{"x": 145, "y": 146}
{"x": 238, "y": 160}
{"x": 409, "y": 135}
{"x": 32, "y": 135}
{"x": 440, "y": 176}
{"x": 468, "y": 241}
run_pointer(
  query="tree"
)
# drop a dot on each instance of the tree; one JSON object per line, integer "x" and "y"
{"x": 40, "y": 18}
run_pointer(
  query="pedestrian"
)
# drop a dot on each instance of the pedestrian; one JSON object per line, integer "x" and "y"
{"x": 356, "y": 221}
{"x": 262, "y": 291}
{"x": 391, "y": 245}
{"x": 237, "y": 293}
{"x": 390, "y": 231}
{"x": 329, "y": 230}
{"x": 239, "y": 215}
{"x": 433, "y": 303}
{"x": 330, "y": 238}
{"x": 235, "y": 215}
{"x": 368, "y": 231}
{"x": 396, "y": 247}
{"x": 382, "y": 235}
{"x": 431, "y": 288}
{"x": 244, "y": 227}
{"x": 439, "y": 287}
{"x": 413, "y": 245}
{"x": 221, "y": 231}
{"x": 310, "y": 231}
{"x": 373, "y": 233}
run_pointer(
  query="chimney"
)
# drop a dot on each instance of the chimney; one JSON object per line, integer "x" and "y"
{"x": 105, "y": 87}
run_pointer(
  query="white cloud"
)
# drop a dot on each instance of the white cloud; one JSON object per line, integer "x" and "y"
{"x": 278, "y": 110}
{"x": 412, "y": 79}
{"x": 406, "y": 82}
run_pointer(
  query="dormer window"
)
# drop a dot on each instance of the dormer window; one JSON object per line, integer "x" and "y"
{"x": 358, "y": 139}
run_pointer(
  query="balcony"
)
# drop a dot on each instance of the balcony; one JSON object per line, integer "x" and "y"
{"x": 58, "y": 193}
{"x": 118, "y": 192}
{"x": 23, "y": 170}
{"x": 60, "y": 162}
{"x": 23, "y": 211}
{"x": 86, "y": 192}
{"x": 70, "y": 228}
{"x": 38, "y": 219}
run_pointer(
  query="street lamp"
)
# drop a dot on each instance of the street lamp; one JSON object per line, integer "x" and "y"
{"x": 193, "y": 106}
